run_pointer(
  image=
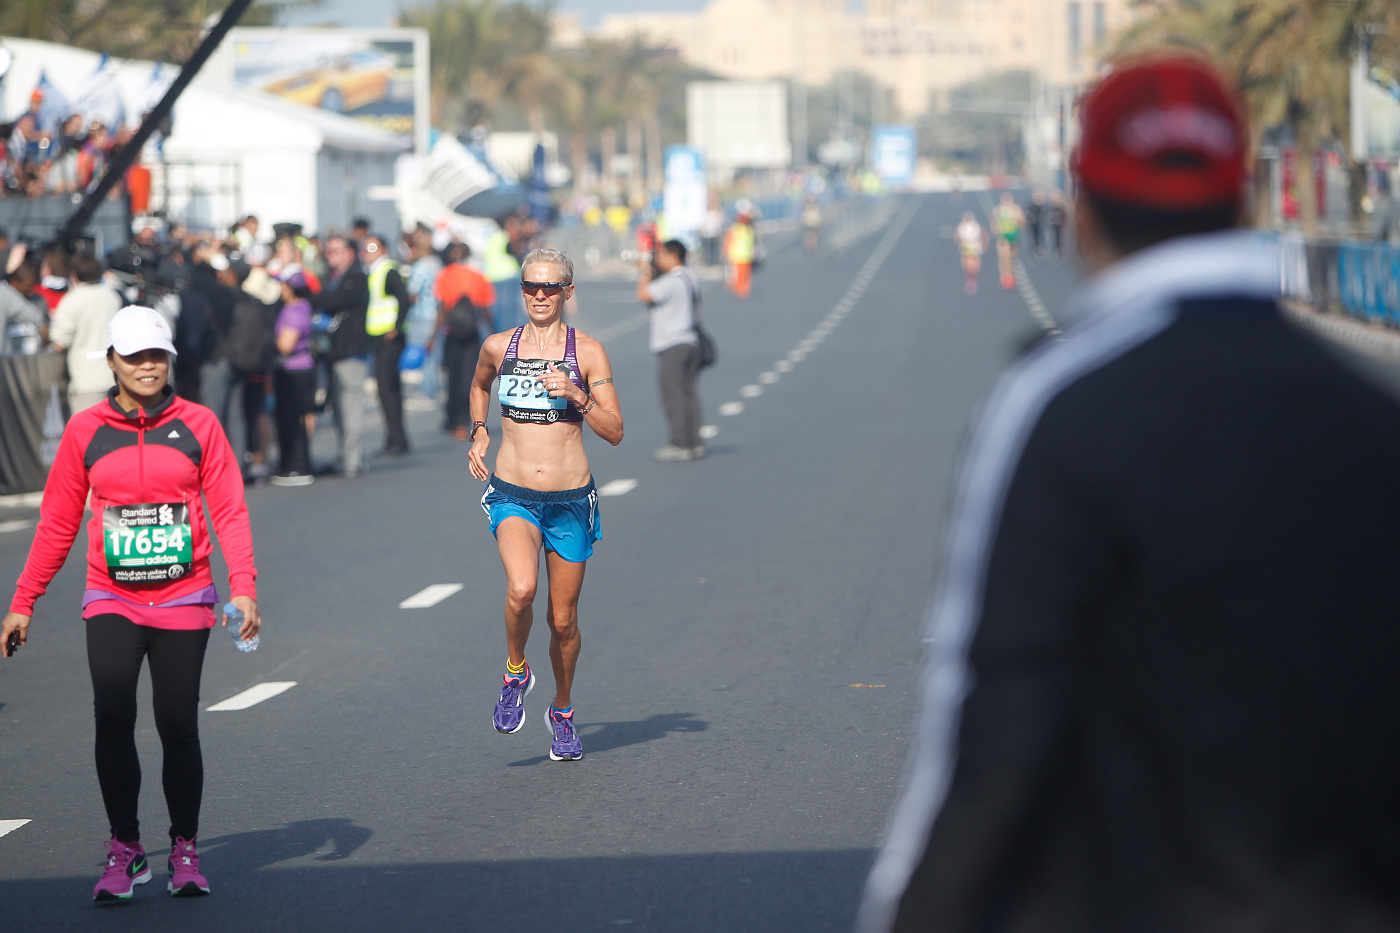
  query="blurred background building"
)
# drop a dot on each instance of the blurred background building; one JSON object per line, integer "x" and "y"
{"x": 918, "y": 49}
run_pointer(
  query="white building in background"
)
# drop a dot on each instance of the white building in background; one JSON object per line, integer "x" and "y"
{"x": 739, "y": 124}
{"x": 234, "y": 152}
{"x": 917, "y": 48}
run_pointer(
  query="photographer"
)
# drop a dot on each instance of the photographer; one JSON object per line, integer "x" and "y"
{"x": 672, "y": 294}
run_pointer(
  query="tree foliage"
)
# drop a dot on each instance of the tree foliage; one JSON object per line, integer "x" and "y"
{"x": 162, "y": 30}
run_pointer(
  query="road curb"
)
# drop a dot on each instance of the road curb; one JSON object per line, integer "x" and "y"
{"x": 1376, "y": 339}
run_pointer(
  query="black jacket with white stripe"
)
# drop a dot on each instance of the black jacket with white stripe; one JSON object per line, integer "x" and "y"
{"x": 1164, "y": 689}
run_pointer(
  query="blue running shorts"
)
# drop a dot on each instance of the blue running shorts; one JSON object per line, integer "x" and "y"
{"x": 568, "y": 519}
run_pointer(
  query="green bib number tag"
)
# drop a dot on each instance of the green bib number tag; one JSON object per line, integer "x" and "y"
{"x": 148, "y": 542}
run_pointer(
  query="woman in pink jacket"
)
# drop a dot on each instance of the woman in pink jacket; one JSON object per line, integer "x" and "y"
{"x": 146, "y": 456}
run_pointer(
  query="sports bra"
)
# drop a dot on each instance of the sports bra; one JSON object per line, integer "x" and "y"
{"x": 521, "y": 392}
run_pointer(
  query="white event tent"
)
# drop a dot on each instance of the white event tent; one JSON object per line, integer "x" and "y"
{"x": 231, "y": 152}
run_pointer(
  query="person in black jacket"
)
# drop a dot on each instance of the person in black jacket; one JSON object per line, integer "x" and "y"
{"x": 387, "y": 324}
{"x": 345, "y": 299}
{"x": 1162, "y": 690}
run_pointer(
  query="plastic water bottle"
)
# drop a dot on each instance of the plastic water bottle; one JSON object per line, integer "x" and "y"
{"x": 235, "y": 622}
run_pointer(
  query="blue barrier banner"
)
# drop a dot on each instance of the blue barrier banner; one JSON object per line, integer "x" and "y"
{"x": 1368, "y": 279}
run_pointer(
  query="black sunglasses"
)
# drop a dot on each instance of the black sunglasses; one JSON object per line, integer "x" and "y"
{"x": 550, "y": 288}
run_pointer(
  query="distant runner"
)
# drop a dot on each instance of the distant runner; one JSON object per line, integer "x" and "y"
{"x": 1007, "y": 218}
{"x": 972, "y": 242}
{"x": 553, "y": 380}
{"x": 147, "y": 457}
{"x": 811, "y": 224}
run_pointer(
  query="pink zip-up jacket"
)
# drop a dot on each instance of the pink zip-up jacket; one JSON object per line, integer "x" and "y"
{"x": 168, "y": 454}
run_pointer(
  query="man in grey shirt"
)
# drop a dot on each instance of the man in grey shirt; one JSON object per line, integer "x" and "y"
{"x": 673, "y": 295}
{"x": 16, "y": 307}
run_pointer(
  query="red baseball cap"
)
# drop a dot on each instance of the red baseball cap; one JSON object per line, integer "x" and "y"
{"x": 1163, "y": 133}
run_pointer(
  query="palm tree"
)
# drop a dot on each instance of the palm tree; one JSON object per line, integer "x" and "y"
{"x": 483, "y": 53}
{"x": 163, "y": 30}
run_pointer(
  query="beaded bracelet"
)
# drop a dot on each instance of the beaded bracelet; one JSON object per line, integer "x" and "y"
{"x": 591, "y": 402}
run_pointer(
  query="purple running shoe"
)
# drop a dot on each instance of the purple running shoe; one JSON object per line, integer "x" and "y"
{"x": 565, "y": 745}
{"x": 510, "y": 708}
{"x": 185, "y": 879}
{"x": 126, "y": 868}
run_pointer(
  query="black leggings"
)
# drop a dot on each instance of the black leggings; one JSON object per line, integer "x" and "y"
{"x": 116, "y": 647}
{"x": 296, "y": 392}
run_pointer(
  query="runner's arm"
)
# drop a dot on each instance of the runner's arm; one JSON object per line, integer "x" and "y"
{"x": 487, "y": 363}
{"x": 221, "y": 481}
{"x": 605, "y": 417}
{"x": 60, "y": 517}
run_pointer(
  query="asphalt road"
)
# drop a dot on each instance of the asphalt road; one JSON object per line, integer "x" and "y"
{"x": 751, "y": 639}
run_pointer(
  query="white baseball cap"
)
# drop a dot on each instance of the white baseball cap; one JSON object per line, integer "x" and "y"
{"x": 134, "y": 328}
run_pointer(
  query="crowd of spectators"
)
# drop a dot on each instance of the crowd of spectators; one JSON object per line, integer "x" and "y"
{"x": 273, "y": 331}
{"x": 42, "y": 153}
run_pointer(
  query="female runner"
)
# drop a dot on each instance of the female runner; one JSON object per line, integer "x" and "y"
{"x": 147, "y": 456}
{"x": 972, "y": 241}
{"x": 553, "y": 380}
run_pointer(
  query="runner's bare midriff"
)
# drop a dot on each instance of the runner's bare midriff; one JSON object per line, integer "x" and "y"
{"x": 546, "y": 457}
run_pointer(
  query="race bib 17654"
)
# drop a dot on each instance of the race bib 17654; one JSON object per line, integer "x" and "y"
{"x": 148, "y": 542}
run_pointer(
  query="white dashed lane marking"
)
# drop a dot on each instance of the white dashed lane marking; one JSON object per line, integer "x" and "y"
{"x": 430, "y": 596}
{"x": 1028, "y": 292}
{"x": 18, "y": 524}
{"x": 857, "y": 288}
{"x": 708, "y": 431}
{"x": 9, "y": 826}
{"x": 617, "y": 487}
{"x": 252, "y": 696}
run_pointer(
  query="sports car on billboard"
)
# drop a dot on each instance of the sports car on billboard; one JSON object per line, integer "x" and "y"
{"x": 343, "y": 85}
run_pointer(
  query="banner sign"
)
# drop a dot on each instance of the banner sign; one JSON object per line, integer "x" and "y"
{"x": 685, "y": 198}
{"x": 31, "y": 420}
{"x": 376, "y": 76}
{"x": 893, "y": 152}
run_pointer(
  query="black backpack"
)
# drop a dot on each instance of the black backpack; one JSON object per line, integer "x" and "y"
{"x": 464, "y": 320}
{"x": 252, "y": 335}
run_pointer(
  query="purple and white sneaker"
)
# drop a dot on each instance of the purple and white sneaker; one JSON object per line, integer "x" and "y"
{"x": 565, "y": 745}
{"x": 185, "y": 879}
{"x": 126, "y": 868}
{"x": 510, "y": 708}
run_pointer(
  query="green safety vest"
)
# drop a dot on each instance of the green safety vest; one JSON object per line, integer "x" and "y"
{"x": 497, "y": 263}
{"x": 383, "y": 308}
{"x": 740, "y": 243}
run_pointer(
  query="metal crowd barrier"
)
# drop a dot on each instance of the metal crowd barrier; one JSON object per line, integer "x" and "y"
{"x": 1356, "y": 278}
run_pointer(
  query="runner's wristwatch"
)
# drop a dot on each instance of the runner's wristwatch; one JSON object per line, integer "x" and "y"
{"x": 476, "y": 426}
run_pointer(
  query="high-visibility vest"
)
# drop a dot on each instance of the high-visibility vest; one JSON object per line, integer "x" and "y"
{"x": 383, "y": 308}
{"x": 497, "y": 264}
{"x": 740, "y": 243}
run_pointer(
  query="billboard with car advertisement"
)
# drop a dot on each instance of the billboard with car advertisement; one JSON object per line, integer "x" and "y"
{"x": 377, "y": 76}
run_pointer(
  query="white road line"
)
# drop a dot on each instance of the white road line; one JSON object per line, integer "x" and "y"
{"x": 708, "y": 431}
{"x": 430, "y": 596}
{"x": 252, "y": 696}
{"x": 18, "y": 524}
{"x": 1028, "y": 292}
{"x": 894, "y": 229}
{"x": 9, "y": 826}
{"x": 617, "y": 487}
